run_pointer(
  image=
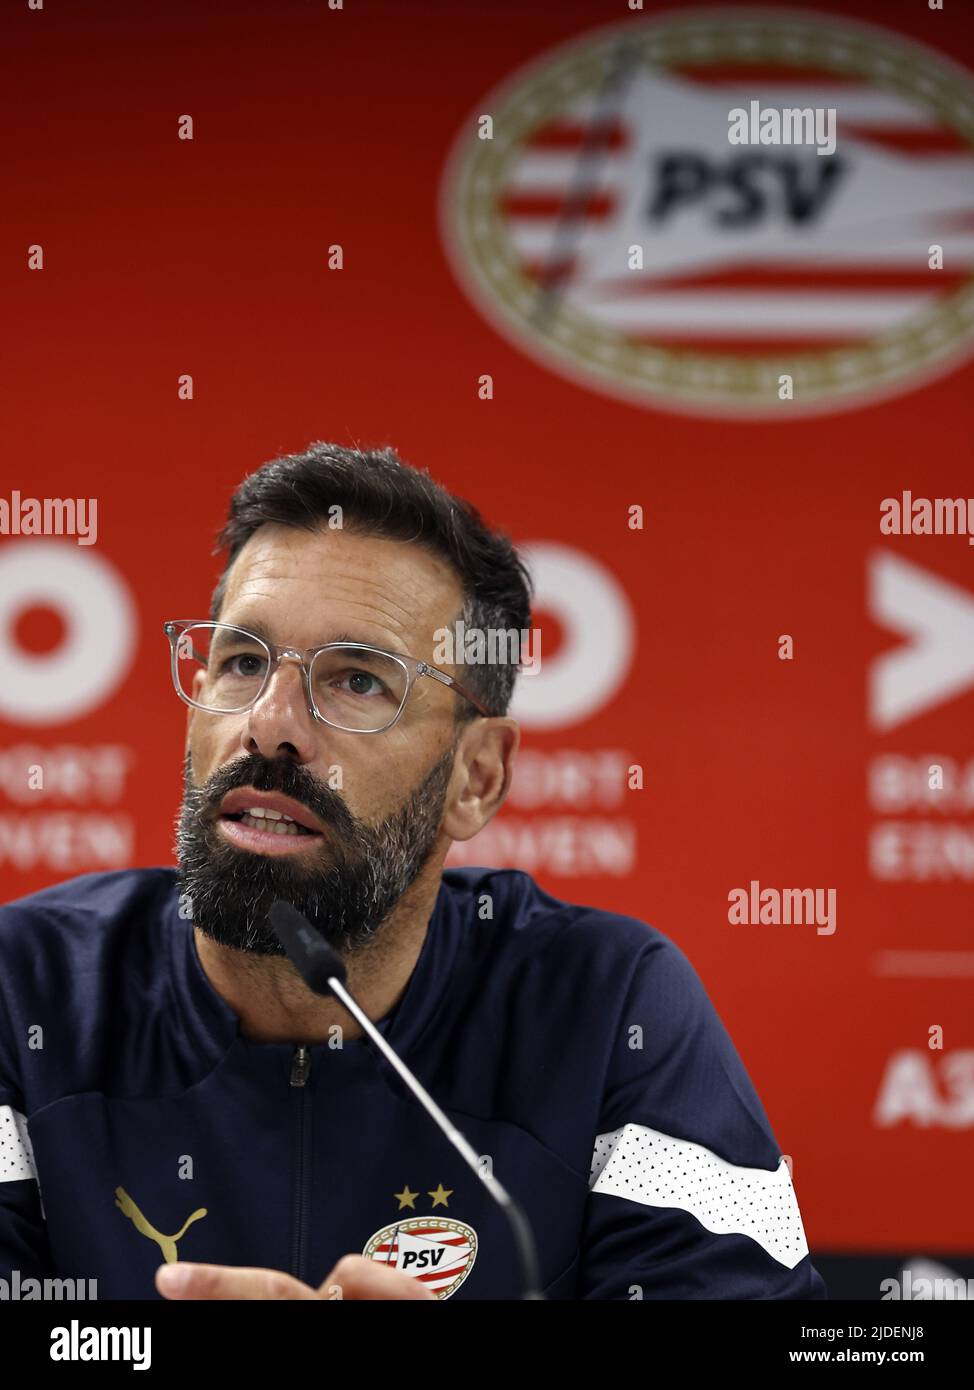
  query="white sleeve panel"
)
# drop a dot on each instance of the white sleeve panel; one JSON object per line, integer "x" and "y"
{"x": 16, "y": 1153}
{"x": 658, "y": 1170}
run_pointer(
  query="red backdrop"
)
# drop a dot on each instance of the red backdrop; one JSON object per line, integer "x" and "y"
{"x": 166, "y": 257}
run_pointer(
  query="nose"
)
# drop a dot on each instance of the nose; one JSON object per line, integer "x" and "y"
{"x": 280, "y": 721}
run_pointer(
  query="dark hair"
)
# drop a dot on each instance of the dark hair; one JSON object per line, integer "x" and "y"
{"x": 382, "y": 495}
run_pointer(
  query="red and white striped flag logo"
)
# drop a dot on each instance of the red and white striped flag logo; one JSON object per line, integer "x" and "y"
{"x": 438, "y": 1251}
{"x": 598, "y": 213}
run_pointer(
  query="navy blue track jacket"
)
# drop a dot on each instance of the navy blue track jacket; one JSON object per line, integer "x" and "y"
{"x": 576, "y": 1050}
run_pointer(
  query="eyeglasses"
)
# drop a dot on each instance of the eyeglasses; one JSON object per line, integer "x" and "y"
{"x": 361, "y": 689}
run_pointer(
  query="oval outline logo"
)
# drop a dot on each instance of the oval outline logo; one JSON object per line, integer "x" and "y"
{"x": 480, "y": 252}
{"x": 420, "y": 1224}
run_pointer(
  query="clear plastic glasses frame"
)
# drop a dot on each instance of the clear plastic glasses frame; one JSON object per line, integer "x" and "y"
{"x": 412, "y": 666}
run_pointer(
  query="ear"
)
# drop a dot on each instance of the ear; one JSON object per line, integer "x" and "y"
{"x": 482, "y": 772}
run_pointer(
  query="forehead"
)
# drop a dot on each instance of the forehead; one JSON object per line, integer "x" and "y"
{"x": 309, "y": 587}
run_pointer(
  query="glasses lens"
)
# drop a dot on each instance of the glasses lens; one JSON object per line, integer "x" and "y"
{"x": 358, "y": 689}
{"x": 220, "y": 667}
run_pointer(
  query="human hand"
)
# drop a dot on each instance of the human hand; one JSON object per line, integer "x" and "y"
{"x": 353, "y": 1277}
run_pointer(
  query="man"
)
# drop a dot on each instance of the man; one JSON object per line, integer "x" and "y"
{"x": 175, "y": 1103}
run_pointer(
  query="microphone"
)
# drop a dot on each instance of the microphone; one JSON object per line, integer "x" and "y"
{"x": 323, "y": 971}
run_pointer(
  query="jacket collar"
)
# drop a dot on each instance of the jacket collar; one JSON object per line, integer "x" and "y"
{"x": 215, "y": 1027}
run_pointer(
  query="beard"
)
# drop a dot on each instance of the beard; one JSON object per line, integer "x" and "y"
{"x": 230, "y": 890}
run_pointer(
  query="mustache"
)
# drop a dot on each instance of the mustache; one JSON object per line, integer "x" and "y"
{"x": 278, "y": 775}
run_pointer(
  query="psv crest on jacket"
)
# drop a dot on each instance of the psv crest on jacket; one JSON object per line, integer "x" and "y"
{"x": 576, "y": 1050}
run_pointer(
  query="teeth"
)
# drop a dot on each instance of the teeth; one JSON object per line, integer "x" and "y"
{"x": 277, "y": 826}
{"x": 264, "y": 811}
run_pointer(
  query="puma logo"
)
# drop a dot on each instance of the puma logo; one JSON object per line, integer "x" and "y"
{"x": 167, "y": 1244}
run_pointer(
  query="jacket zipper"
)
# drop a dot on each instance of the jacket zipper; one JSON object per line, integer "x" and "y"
{"x": 301, "y": 1107}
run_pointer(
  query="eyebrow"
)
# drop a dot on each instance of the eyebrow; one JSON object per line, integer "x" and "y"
{"x": 259, "y": 630}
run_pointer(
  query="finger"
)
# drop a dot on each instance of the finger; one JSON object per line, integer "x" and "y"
{"x": 356, "y": 1276}
{"x": 187, "y": 1280}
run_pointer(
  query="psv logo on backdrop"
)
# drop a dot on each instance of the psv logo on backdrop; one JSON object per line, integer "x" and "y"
{"x": 613, "y": 230}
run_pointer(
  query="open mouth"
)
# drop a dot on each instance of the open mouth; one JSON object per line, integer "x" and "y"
{"x": 269, "y": 822}
{"x": 262, "y": 830}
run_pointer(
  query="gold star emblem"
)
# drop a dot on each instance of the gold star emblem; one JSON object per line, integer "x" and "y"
{"x": 406, "y": 1198}
{"x": 440, "y": 1195}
